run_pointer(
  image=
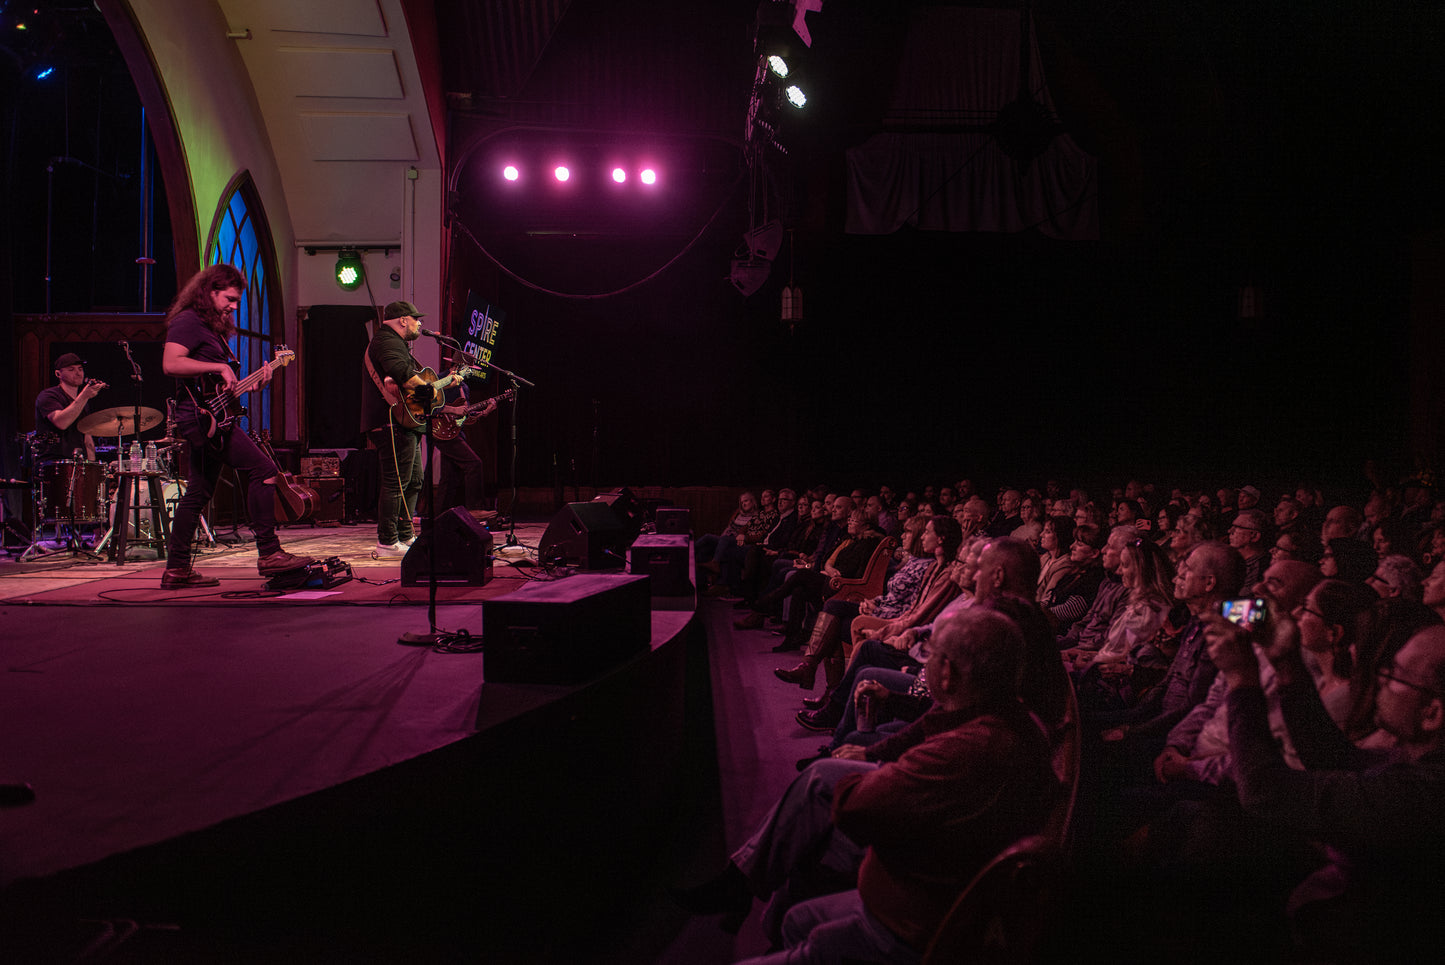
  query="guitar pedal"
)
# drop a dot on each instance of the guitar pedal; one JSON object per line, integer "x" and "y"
{"x": 316, "y": 575}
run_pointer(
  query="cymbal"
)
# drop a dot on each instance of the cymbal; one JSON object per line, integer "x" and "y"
{"x": 118, "y": 421}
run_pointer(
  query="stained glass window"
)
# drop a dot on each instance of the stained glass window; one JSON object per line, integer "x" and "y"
{"x": 239, "y": 237}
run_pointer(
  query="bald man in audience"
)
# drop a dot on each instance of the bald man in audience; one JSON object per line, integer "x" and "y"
{"x": 966, "y": 780}
{"x": 1341, "y": 522}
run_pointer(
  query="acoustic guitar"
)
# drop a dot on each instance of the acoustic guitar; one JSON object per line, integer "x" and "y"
{"x": 422, "y": 394}
{"x": 295, "y": 503}
{"x": 446, "y": 426}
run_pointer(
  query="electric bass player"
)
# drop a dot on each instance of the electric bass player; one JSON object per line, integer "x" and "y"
{"x": 199, "y": 325}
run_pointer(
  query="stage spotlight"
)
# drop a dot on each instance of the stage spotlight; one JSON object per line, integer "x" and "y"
{"x": 648, "y": 176}
{"x": 778, "y": 65}
{"x": 561, "y": 173}
{"x": 795, "y": 95}
{"x": 349, "y": 271}
{"x": 619, "y": 175}
{"x": 511, "y": 173}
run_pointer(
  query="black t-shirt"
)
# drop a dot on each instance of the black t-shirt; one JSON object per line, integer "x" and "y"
{"x": 53, "y": 442}
{"x": 189, "y": 330}
{"x": 391, "y": 356}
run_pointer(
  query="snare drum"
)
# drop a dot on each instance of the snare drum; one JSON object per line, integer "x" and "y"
{"x": 70, "y": 490}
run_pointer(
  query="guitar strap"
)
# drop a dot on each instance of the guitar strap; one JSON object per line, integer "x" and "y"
{"x": 370, "y": 368}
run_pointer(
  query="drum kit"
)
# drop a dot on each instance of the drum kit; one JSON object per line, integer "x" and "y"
{"x": 76, "y": 493}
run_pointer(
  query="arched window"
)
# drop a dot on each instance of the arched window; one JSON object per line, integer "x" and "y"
{"x": 241, "y": 236}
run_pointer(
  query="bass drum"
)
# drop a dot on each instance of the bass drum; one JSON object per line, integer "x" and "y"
{"x": 70, "y": 490}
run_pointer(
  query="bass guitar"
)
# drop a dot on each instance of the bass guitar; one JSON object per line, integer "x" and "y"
{"x": 412, "y": 407}
{"x": 295, "y": 503}
{"x": 446, "y": 426}
{"x": 224, "y": 404}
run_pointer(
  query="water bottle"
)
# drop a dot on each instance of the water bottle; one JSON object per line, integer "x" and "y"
{"x": 150, "y": 463}
{"x": 133, "y": 460}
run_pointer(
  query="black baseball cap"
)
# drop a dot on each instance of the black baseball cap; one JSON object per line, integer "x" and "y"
{"x": 400, "y": 310}
{"x": 68, "y": 359}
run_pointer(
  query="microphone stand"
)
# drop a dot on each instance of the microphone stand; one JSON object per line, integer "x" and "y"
{"x": 431, "y": 639}
{"x": 516, "y": 382}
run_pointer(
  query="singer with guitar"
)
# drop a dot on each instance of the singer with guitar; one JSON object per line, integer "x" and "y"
{"x": 59, "y": 409}
{"x": 394, "y": 392}
{"x": 199, "y": 326}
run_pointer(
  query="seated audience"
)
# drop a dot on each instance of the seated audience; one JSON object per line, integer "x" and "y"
{"x": 941, "y": 540}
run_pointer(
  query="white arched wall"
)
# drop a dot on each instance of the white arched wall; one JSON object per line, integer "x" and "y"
{"x": 241, "y": 81}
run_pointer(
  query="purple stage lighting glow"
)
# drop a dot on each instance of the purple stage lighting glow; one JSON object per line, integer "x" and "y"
{"x": 649, "y": 176}
{"x": 511, "y": 173}
{"x": 619, "y": 175}
{"x": 561, "y": 173}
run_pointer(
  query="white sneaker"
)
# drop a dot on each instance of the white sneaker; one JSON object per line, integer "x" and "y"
{"x": 407, "y": 542}
{"x": 388, "y": 551}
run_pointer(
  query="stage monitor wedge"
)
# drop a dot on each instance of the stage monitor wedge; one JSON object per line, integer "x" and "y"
{"x": 463, "y": 553}
{"x": 588, "y": 535}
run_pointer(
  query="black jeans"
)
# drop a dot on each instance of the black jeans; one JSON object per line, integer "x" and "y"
{"x": 207, "y": 458}
{"x": 400, "y": 473}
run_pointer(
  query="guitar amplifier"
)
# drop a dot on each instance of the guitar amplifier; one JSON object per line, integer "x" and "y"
{"x": 330, "y": 499}
{"x": 320, "y": 466}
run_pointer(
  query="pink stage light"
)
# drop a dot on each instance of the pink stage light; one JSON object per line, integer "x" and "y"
{"x": 561, "y": 173}
{"x": 619, "y": 175}
{"x": 511, "y": 173}
{"x": 649, "y": 176}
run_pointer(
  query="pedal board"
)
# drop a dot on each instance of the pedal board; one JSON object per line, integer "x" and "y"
{"x": 316, "y": 575}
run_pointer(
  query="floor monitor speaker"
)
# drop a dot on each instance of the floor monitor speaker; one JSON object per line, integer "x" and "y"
{"x": 463, "y": 552}
{"x": 588, "y": 535}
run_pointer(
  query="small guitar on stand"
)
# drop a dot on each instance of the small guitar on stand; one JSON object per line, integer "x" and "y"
{"x": 295, "y": 503}
{"x": 224, "y": 405}
{"x": 446, "y": 426}
{"x": 408, "y": 410}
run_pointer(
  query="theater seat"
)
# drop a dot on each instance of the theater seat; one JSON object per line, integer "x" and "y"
{"x": 1000, "y": 917}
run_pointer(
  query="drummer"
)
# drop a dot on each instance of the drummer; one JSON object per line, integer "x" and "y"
{"x": 59, "y": 409}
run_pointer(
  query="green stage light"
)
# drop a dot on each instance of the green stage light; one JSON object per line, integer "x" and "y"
{"x": 349, "y": 271}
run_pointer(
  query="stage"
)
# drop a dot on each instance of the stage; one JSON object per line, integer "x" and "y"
{"x": 275, "y": 771}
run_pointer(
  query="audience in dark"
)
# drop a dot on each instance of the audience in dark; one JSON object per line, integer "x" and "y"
{"x": 1299, "y": 757}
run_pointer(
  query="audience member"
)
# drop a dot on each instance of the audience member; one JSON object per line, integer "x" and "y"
{"x": 966, "y": 780}
{"x": 1247, "y": 536}
{"x": 1396, "y": 575}
{"x": 1346, "y": 558}
{"x": 1365, "y": 808}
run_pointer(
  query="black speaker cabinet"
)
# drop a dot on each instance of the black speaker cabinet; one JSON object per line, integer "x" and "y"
{"x": 667, "y": 562}
{"x": 565, "y": 631}
{"x": 674, "y": 521}
{"x": 628, "y": 509}
{"x": 588, "y": 535}
{"x": 463, "y": 553}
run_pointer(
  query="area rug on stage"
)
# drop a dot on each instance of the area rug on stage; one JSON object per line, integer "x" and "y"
{"x": 378, "y": 585}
